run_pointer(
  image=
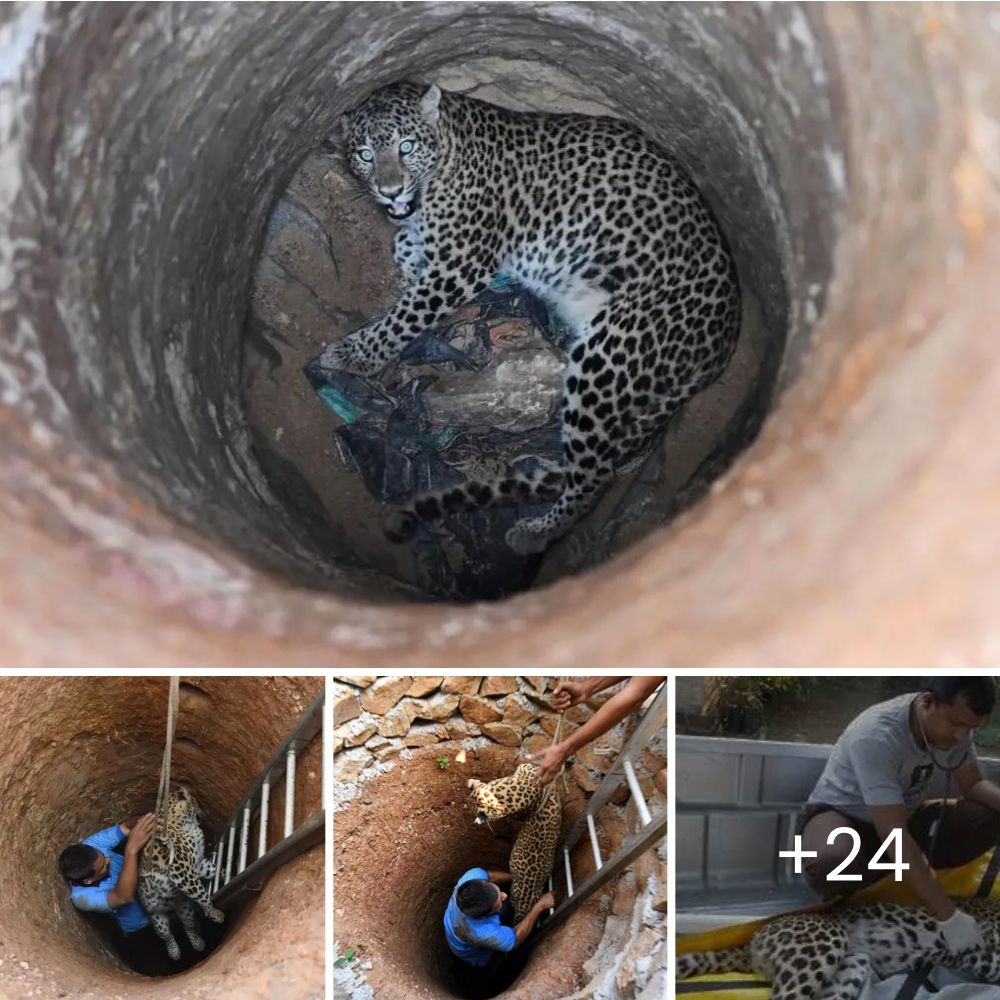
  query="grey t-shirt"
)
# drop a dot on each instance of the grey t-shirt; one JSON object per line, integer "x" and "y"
{"x": 876, "y": 762}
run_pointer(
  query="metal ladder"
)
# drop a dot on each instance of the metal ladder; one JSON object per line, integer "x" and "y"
{"x": 233, "y": 876}
{"x": 652, "y": 827}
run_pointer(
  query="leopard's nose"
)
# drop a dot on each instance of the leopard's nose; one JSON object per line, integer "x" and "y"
{"x": 390, "y": 192}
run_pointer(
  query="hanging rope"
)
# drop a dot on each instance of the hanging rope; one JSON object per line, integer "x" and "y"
{"x": 163, "y": 795}
{"x": 556, "y": 734}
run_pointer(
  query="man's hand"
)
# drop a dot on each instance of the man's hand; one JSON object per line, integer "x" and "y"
{"x": 547, "y": 901}
{"x": 961, "y": 932}
{"x": 549, "y": 762}
{"x": 568, "y": 694}
{"x": 140, "y": 834}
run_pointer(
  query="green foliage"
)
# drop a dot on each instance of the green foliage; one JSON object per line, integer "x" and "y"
{"x": 348, "y": 956}
{"x": 737, "y": 704}
{"x": 442, "y": 761}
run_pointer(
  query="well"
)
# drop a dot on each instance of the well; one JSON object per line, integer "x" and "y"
{"x": 403, "y": 834}
{"x": 81, "y": 753}
{"x": 850, "y": 155}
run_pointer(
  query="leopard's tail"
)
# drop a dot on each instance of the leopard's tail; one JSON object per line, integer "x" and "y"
{"x": 536, "y": 486}
{"x": 704, "y": 963}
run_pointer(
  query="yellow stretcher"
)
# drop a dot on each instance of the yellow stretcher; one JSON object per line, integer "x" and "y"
{"x": 977, "y": 878}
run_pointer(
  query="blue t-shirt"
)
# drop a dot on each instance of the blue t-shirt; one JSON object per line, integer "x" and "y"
{"x": 131, "y": 917}
{"x": 474, "y": 940}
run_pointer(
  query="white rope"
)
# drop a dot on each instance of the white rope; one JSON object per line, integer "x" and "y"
{"x": 163, "y": 794}
{"x": 555, "y": 740}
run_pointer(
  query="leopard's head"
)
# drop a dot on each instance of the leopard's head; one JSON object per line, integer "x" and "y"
{"x": 182, "y": 805}
{"x": 505, "y": 796}
{"x": 393, "y": 143}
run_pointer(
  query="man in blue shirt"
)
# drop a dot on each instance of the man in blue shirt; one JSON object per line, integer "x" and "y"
{"x": 474, "y": 919}
{"x": 103, "y": 881}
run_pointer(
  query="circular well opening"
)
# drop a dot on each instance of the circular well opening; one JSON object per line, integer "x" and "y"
{"x": 145, "y": 152}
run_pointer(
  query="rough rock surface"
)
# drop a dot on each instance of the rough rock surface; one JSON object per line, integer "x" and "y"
{"x": 141, "y": 150}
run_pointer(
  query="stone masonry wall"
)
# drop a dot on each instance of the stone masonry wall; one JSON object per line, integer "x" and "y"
{"x": 377, "y": 718}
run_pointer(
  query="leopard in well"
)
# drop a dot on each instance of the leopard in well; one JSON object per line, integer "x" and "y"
{"x": 171, "y": 874}
{"x": 827, "y": 955}
{"x": 521, "y": 797}
{"x": 590, "y": 215}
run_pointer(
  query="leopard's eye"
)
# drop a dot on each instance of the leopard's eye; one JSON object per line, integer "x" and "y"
{"x": 406, "y": 146}
{"x": 366, "y": 154}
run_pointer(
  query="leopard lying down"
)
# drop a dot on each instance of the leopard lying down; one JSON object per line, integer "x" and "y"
{"x": 827, "y": 956}
{"x": 520, "y": 796}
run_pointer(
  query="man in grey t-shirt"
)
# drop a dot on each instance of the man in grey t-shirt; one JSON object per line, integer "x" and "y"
{"x": 875, "y": 781}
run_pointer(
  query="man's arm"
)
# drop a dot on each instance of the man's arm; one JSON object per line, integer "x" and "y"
{"x": 527, "y": 924}
{"x": 635, "y": 692}
{"x": 973, "y": 786}
{"x": 107, "y": 840}
{"x": 570, "y": 693}
{"x": 498, "y": 877}
{"x": 138, "y": 837}
{"x": 919, "y": 877}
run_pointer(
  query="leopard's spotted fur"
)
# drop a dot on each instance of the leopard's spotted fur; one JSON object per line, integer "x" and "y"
{"x": 521, "y": 797}
{"x": 826, "y": 956}
{"x": 171, "y": 873}
{"x": 589, "y": 214}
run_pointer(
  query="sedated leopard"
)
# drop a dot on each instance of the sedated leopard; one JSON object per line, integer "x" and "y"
{"x": 826, "y": 956}
{"x": 588, "y": 214}
{"x": 520, "y": 796}
{"x": 171, "y": 872}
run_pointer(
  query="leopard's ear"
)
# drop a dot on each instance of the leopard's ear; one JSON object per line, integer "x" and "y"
{"x": 472, "y": 783}
{"x": 430, "y": 104}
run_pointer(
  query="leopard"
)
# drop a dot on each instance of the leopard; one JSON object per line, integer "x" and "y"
{"x": 171, "y": 874}
{"x": 520, "y": 796}
{"x": 588, "y": 214}
{"x": 828, "y": 955}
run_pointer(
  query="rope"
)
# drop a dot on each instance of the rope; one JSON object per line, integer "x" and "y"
{"x": 163, "y": 794}
{"x": 555, "y": 740}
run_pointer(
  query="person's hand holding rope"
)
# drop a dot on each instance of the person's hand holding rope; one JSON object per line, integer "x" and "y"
{"x": 568, "y": 693}
{"x": 551, "y": 760}
{"x": 140, "y": 834}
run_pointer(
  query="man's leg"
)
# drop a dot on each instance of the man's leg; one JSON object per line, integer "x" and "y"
{"x": 816, "y": 831}
{"x": 966, "y": 830}
{"x": 143, "y": 951}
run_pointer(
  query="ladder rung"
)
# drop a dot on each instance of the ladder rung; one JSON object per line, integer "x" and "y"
{"x": 637, "y": 796}
{"x": 569, "y": 874}
{"x": 290, "y": 793}
{"x": 218, "y": 865}
{"x": 244, "y": 837}
{"x": 265, "y": 805}
{"x": 593, "y": 842}
{"x": 229, "y": 852}
{"x": 552, "y": 909}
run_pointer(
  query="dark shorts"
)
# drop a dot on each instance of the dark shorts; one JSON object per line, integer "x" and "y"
{"x": 967, "y": 830}
{"x": 142, "y": 950}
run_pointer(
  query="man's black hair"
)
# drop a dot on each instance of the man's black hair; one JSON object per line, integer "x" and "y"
{"x": 476, "y": 898}
{"x": 979, "y": 692}
{"x": 77, "y": 862}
